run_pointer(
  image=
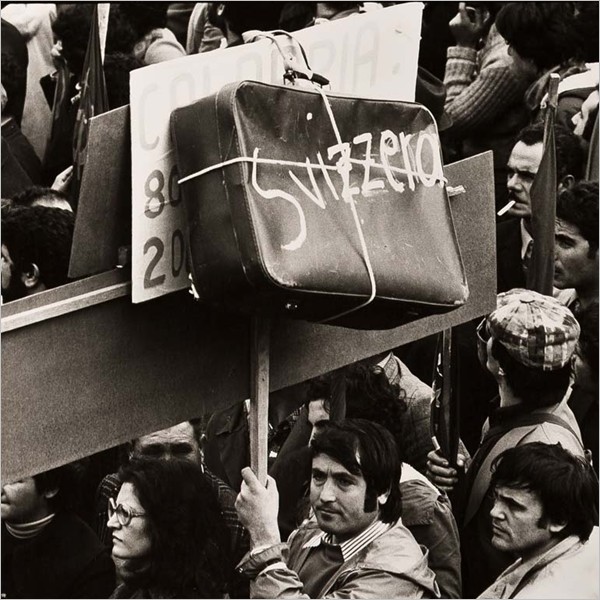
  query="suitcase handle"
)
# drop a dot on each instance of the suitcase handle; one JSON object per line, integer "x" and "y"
{"x": 293, "y": 69}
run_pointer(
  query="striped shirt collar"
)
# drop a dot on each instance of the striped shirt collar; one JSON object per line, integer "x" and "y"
{"x": 354, "y": 545}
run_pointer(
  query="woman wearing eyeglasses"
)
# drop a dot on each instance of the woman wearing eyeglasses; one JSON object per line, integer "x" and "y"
{"x": 169, "y": 538}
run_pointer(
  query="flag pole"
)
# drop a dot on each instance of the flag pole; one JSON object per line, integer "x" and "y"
{"x": 103, "y": 14}
{"x": 540, "y": 274}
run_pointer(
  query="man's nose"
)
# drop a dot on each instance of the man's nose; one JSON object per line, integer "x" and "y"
{"x": 513, "y": 182}
{"x": 496, "y": 512}
{"x": 113, "y": 522}
{"x": 327, "y": 492}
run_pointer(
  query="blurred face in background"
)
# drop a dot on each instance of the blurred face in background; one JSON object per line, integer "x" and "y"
{"x": 574, "y": 265}
{"x": 178, "y": 441}
{"x": 22, "y": 503}
{"x": 13, "y": 287}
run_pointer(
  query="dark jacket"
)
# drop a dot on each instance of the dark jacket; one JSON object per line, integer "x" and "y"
{"x": 22, "y": 150}
{"x": 508, "y": 256}
{"x": 66, "y": 560}
{"x": 584, "y": 404}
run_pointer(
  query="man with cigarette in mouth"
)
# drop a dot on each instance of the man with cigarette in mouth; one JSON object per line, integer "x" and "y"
{"x": 513, "y": 236}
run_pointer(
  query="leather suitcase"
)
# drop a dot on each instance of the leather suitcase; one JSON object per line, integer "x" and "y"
{"x": 320, "y": 207}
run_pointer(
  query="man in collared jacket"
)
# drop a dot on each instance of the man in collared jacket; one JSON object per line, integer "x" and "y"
{"x": 526, "y": 344}
{"x": 544, "y": 513}
{"x": 355, "y": 545}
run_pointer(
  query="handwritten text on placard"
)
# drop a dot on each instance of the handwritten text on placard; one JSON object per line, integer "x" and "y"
{"x": 371, "y": 55}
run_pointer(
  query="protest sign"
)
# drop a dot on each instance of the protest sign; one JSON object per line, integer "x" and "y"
{"x": 158, "y": 363}
{"x": 323, "y": 208}
{"x": 373, "y": 55}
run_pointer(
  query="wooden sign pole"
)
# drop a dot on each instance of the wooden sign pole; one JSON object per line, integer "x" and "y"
{"x": 259, "y": 398}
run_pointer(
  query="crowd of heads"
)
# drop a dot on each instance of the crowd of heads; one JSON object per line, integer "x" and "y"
{"x": 169, "y": 530}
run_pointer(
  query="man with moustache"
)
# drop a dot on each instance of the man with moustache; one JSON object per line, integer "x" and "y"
{"x": 355, "y": 545}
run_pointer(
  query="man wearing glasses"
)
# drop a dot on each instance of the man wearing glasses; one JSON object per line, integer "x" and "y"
{"x": 526, "y": 344}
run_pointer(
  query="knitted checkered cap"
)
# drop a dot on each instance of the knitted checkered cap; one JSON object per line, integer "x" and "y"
{"x": 536, "y": 330}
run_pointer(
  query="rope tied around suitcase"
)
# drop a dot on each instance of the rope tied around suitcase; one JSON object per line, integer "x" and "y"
{"x": 343, "y": 168}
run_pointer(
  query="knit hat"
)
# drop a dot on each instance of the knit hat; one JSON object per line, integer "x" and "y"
{"x": 536, "y": 330}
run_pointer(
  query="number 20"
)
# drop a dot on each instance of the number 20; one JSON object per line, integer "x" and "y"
{"x": 178, "y": 253}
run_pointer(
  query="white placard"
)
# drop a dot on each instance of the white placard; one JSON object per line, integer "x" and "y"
{"x": 372, "y": 55}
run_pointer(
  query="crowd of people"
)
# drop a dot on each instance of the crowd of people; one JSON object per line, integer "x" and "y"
{"x": 359, "y": 502}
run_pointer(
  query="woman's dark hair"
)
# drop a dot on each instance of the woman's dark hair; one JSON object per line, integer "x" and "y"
{"x": 566, "y": 485}
{"x": 536, "y": 388}
{"x": 544, "y": 32}
{"x": 368, "y": 449}
{"x": 190, "y": 542}
{"x": 369, "y": 395}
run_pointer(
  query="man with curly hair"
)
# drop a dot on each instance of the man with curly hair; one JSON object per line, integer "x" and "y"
{"x": 576, "y": 245}
{"x": 36, "y": 248}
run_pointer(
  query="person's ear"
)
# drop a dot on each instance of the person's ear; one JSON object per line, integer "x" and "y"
{"x": 383, "y": 498}
{"x": 556, "y": 527}
{"x": 485, "y": 16}
{"x": 31, "y": 276}
{"x": 50, "y": 493}
{"x": 566, "y": 182}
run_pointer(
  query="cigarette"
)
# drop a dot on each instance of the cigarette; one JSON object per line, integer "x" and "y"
{"x": 506, "y": 208}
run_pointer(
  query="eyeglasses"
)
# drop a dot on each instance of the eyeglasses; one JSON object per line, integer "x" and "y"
{"x": 124, "y": 513}
{"x": 482, "y": 333}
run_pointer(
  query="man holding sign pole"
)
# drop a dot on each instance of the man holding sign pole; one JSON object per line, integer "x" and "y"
{"x": 356, "y": 544}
